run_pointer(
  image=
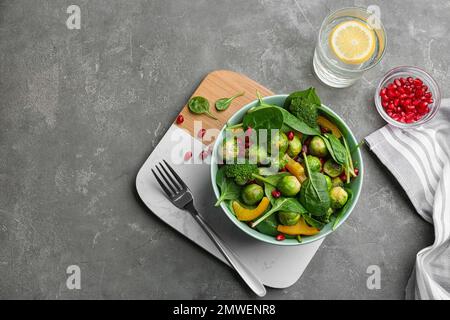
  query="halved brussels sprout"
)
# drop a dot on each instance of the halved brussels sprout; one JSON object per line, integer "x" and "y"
{"x": 313, "y": 163}
{"x": 278, "y": 144}
{"x": 332, "y": 168}
{"x": 252, "y": 194}
{"x": 317, "y": 147}
{"x": 337, "y": 182}
{"x": 288, "y": 218}
{"x": 295, "y": 146}
{"x": 289, "y": 186}
{"x": 338, "y": 197}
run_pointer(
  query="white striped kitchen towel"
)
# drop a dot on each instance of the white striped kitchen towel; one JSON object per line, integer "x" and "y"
{"x": 420, "y": 160}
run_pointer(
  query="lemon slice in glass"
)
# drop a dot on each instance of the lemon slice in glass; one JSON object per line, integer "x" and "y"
{"x": 353, "y": 42}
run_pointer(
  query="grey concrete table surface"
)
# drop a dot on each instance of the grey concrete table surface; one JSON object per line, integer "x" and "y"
{"x": 80, "y": 110}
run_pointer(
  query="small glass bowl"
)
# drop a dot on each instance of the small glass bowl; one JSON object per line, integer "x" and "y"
{"x": 404, "y": 72}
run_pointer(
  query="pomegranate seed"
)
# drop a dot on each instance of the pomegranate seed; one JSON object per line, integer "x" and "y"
{"x": 383, "y": 103}
{"x": 201, "y": 133}
{"x": 396, "y": 102}
{"x": 187, "y": 155}
{"x": 204, "y": 154}
{"x": 248, "y": 132}
{"x": 383, "y": 92}
{"x": 276, "y": 194}
{"x": 180, "y": 119}
{"x": 423, "y": 105}
{"x": 356, "y": 170}
{"x": 410, "y": 80}
{"x": 324, "y": 130}
{"x": 391, "y": 93}
{"x": 290, "y": 135}
{"x": 384, "y": 97}
{"x": 280, "y": 237}
{"x": 343, "y": 176}
{"x": 418, "y": 82}
{"x": 397, "y": 82}
{"x": 407, "y": 102}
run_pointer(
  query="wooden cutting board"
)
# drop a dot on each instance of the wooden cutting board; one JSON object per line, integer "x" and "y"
{"x": 221, "y": 84}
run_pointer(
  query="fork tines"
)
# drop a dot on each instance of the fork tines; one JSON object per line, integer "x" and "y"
{"x": 172, "y": 184}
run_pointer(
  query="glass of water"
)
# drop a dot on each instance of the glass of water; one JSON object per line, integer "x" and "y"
{"x": 351, "y": 41}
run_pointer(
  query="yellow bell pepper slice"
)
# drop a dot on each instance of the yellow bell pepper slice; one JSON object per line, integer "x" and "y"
{"x": 244, "y": 214}
{"x": 325, "y": 123}
{"x": 296, "y": 169}
{"x": 300, "y": 228}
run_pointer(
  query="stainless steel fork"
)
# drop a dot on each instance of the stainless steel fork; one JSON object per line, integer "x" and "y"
{"x": 180, "y": 195}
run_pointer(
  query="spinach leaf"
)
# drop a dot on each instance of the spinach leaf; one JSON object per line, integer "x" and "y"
{"x": 344, "y": 209}
{"x": 313, "y": 222}
{"x": 337, "y": 151}
{"x": 295, "y": 123}
{"x": 200, "y": 105}
{"x": 273, "y": 179}
{"x": 281, "y": 204}
{"x": 224, "y": 103}
{"x": 229, "y": 190}
{"x": 220, "y": 175}
{"x": 309, "y": 95}
{"x": 265, "y": 118}
{"x": 268, "y": 226}
{"x": 314, "y": 192}
{"x": 268, "y": 188}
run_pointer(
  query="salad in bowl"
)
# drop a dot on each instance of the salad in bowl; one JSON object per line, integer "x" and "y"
{"x": 286, "y": 169}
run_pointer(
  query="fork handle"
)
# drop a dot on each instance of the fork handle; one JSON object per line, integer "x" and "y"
{"x": 249, "y": 277}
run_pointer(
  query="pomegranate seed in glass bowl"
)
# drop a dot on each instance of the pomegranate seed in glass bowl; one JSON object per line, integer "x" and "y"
{"x": 407, "y": 97}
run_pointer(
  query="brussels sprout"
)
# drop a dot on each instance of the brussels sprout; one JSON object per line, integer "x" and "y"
{"x": 252, "y": 194}
{"x": 337, "y": 182}
{"x": 295, "y": 146}
{"x": 258, "y": 154}
{"x": 317, "y": 147}
{"x": 279, "y": 162}
{"x": 288, "y": 218}
{"x": 313, "y": 163}
{"x": 289, "y": 186}
{"x": 329, "y": 183}
{"x": 279, "y": 143}
{"x": 332, "y": 168}
{"x": 229, "y": 151}
{"x": 338, "y": 197}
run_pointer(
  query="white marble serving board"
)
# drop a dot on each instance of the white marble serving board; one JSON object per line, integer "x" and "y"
{"x": 277, "y": 266}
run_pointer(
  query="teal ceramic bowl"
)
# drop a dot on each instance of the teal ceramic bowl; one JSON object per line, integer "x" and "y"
{"x": 356, "y": 184}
